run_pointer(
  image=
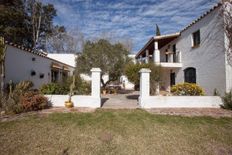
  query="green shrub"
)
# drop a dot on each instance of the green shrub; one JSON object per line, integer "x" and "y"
{"x": 20, "y": 96}
{"x": 11, "y": 106}
{"x": 132, "y": 73}
{"x": 54, "y": 88}
{"x": 187, "y": 89}
{"x": 81, "y": 87}
{"x": 227, "y": 100}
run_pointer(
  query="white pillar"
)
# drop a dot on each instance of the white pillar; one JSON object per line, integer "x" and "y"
{"x": 140, "y": 59}
{"x": 96, "y": 82}
{"x": 156, "y": 53}
{"x": 144, "y": 82}
{"x": 147, "y": 56}
{"x": 180, "y": 59}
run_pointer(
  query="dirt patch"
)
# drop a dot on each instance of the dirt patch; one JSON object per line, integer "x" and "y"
{"x": 213, "y": 112}
{"x": 106, "y": 137}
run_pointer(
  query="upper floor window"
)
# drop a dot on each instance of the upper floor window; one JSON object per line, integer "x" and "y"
{"x": 196, "y": 38}
{"x": 190, "y": 75}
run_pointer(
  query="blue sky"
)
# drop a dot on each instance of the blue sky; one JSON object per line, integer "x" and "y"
{"x": 128, "y": 19}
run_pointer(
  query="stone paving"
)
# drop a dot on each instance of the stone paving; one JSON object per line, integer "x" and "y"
{"x": 120, "y": 101}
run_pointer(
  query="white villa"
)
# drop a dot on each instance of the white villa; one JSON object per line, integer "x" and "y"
{"x": 196, "y": 54}
{"x": 25, "y": 64}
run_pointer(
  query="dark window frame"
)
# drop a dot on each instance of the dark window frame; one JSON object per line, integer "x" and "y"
{"x": 190, "y": 75}
{"x": 196, "y": 38}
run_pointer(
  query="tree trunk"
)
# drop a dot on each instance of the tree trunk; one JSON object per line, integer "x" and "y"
{"x": 2, "y": 77}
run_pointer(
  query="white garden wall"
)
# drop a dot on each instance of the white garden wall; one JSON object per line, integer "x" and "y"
{"x": 78, "y": 100}
{"x": 57, "y": 100}
{"x": 147, "y": 101}
{"x": 90, "y": 101}
{"x": 181, "y": 102}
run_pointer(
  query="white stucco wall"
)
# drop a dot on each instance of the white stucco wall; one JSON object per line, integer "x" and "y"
{"x": 78, "y": 101}
{"x": 228, "y": 60}
{"x": 209, "y": 57}
{"x": 180, "y": 102}
{"x": 19, "y": 64}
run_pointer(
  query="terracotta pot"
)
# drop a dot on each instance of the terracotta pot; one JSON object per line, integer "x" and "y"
{"x": 68, "y": 104}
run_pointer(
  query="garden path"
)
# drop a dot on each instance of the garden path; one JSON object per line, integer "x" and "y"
{"x": 122, "y": 100}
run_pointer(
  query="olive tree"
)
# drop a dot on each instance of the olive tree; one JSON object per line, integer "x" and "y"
{"x": 132, "y": 73}
{"x": 111, "y": 58}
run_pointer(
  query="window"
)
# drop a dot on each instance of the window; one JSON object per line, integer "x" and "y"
{"x": 55, "y": 75}
{"x": 190, "y": 75}
{"x": 196, "y": 39}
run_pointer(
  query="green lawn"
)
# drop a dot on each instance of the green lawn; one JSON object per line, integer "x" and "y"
{"x": 116, "y": 132}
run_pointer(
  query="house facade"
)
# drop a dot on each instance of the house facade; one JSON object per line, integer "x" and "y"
{"x": 196, "y": 54}
{"x": 25, "y": 64}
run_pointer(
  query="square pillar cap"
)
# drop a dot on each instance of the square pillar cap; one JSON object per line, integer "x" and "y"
{"x": 145, "y": 70}
{"x": 95, "y": 70}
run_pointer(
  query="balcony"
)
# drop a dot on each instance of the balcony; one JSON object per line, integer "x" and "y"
{"x": 170, "y": 60}
{"x": 170, "y": 64}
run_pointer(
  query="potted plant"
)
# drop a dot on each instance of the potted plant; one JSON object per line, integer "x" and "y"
{"x": 69, "y": 103}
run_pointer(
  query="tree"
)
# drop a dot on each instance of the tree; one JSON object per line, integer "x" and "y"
{"x": 61, "y": 41}
{"x": 132, "y": 73}
{"x": 157, "y": 30}
{"x": 2, "y": 62}
{"x": 26, "y": 22}
{"x": 227, "y": 14}
{"x": 13, "y": 22}
{"x": 111, "y": 58}
{"x": 40, "y": 18}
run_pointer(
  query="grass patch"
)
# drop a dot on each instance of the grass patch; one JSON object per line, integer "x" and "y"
{"x": 116, "y": 132}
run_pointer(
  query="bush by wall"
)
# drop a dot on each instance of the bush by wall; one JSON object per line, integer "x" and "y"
{"x": 54, "y": 88}
{"x": 132, "y": 72}
{"x": 18, "y": 99}
{"x": 81, "y": 87}
{"x": 227, "y": 100}
{"x": 187, "y": 89}
{"x": 33, "y": 101}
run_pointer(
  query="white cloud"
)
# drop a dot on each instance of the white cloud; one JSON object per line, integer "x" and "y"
{"x": 130, "y": 18}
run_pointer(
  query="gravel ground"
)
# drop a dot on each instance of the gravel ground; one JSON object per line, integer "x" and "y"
{"x": 213, "y": 112}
